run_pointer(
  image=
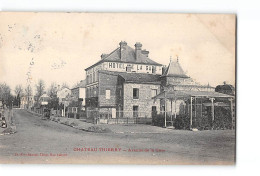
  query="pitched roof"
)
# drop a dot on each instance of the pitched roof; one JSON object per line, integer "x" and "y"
{"x": 81, "y": 84}
{"x": 135, "y": 77}
{"x": 181, "y": 94}
{"x": 174, "y": 69}
{"x": 127, "y": 56}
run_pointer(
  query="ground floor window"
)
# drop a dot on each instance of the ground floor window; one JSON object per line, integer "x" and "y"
{"x": 135, "y": 111}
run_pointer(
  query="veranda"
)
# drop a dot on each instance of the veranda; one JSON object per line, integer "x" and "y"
{"x": 196, "y": 105}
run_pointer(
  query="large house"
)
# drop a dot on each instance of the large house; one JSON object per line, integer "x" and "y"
{"x": 126, "y": 84}
{"x": 124, "y": 80}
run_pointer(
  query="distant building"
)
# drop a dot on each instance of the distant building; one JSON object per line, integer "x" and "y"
{"x": 43, "y": 100}
{"x": 63, "y": 93}
{"x": 27, "y": 102}
{"x": 77, "y": 97}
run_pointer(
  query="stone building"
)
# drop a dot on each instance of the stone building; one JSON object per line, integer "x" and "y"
{"x": 123, "y": 82}
{"x": 127, "y": 84}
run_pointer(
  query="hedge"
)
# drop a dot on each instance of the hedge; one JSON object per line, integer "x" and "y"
{"x": 222, "y": 120}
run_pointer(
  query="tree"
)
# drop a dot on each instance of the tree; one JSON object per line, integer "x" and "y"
{"x": 52, "y": 91}
{"x": 28, "y": 94}
{"x": 18, "y": 91}
{"x": 5, "y": 93}
{"x": 64, "y": 85}
{"x": 40, "y": 87}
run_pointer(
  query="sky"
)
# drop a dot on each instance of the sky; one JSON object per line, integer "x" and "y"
{"x": 57, "y": 47}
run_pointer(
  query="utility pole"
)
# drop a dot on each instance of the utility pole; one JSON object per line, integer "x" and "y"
{"x": 191, "y": 98}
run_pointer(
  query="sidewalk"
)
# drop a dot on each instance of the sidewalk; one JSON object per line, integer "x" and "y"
{"x": 11, "y": 128}
{"x": 114, "y": 128}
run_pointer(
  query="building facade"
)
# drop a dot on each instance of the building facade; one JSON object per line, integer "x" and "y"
{"x": 77, "y": 98}
{"x": 127, "y": 84}
{"x": 123, "y": 82}
{"x": 27, "y": 102}
{"x": 63, "y": 94}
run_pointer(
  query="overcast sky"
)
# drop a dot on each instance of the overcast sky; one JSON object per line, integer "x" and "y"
{"x": 57, "y": 47}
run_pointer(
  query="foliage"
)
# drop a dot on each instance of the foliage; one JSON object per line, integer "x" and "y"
{"x": 28, "y": 91}
{"x": 5, "y": 94}
{"x": 40, "y": 88}
{"x": 18, "y": 92}
{"x": 159, "y": 120}
{"x": 182, "y": 122}
{"x": 53, "y": 103}
{"x": 52, "y": 91}
{"x": 222, "y": 120}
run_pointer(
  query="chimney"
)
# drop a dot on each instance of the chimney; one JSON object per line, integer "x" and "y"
{"x": 103, "y": 56}
{"x": 144, "y": 52}
{"x": 138, "y": 51}
{"x": 122, "y": 45}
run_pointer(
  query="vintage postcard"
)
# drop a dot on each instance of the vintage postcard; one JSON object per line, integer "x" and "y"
{"x": 117, "y": 88}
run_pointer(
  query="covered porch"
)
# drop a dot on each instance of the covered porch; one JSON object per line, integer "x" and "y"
{"x": 196, "y": 106}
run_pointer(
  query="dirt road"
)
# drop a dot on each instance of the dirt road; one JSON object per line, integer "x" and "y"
{"x": 40, "y": 141}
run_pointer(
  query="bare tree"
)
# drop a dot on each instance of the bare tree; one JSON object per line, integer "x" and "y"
{"x": 28, "y": 94}
{"x": 18, "y": 91}
{"x": 40, "y": 87}
{"x": 52, "y": 91}
{"x": 64, "y": 85}
{"x": 76, "y": 84}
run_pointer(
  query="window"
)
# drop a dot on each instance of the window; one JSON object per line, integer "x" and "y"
{"x": 107, "y": 94}
{"x": 87, "y": 92}
{"x": 154, "y": 111}
{"x": 95, "y": 91}
{"x": 87, "y": 79}
{"x": 120, "y": 92}
{"x": 135, "y": 111}
{"x": 94, "y": 77}
{"x": 135, "y": 93}
{"x": 90, "y": 78}
{"x": 154, "y": 92}
{"x": 128, "y": 69}
{"x": 153, "y": 69}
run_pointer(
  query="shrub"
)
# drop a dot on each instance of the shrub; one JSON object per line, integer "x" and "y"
{"x": 182, "y": 122}
{"x": 159, "y": 120}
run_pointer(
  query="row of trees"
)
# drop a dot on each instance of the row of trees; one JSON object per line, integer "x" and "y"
{"x": 9, "y": 99}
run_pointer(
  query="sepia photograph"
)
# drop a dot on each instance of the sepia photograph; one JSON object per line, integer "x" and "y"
{"x": 117, "y": 88}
